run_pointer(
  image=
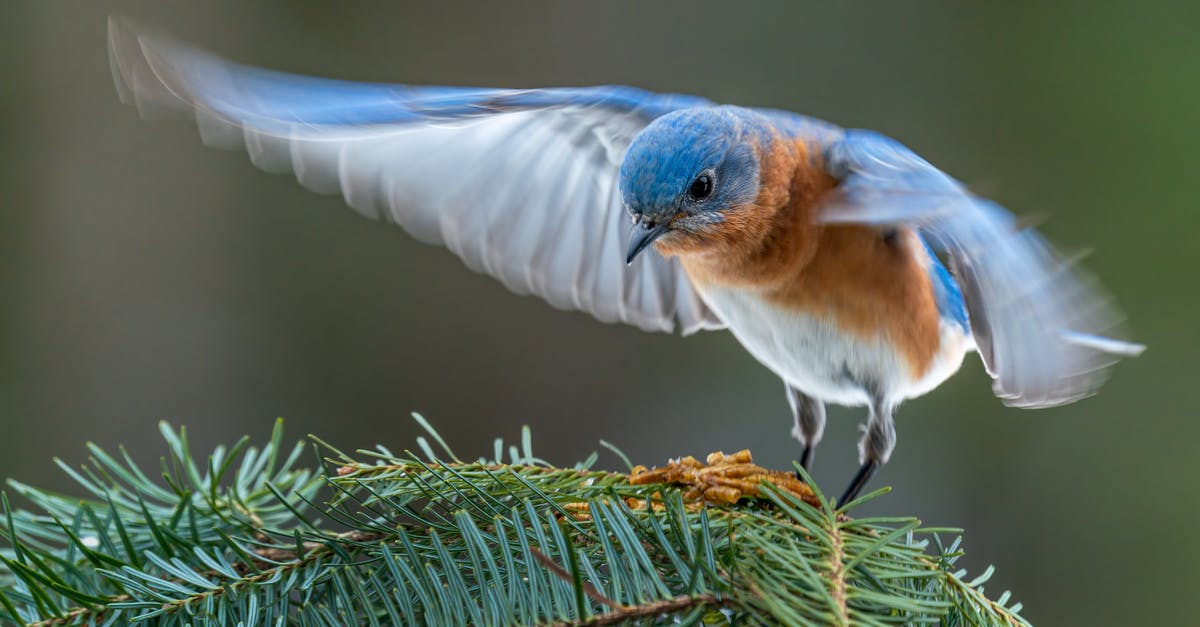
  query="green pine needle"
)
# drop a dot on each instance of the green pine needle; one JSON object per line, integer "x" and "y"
{"x": 247, "y": 535}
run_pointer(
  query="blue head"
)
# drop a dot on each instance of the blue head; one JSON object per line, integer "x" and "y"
{"x": 687, "y": 168}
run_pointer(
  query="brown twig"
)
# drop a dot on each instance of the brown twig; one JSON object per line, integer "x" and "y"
{"x": 837, "y": 576}
{"x": 655, "y": 608}
{"x": 588, "y": 589}
{"x": 79, "y": 612}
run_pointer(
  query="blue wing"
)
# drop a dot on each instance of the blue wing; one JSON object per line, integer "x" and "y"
{"x": 1038, "y": 322}
{"x": 946, "y": 293}
{"x": 521, "y": 184}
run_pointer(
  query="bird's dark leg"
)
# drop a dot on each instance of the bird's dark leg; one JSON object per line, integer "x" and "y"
{"x": 864, "y": 474}
{"x": 808, "y": 415}
{"x": 806, "y": 456}
{"x": 874, "y": 449}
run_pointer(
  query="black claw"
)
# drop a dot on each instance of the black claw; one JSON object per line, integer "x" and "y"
{"x": 859, "y": 482}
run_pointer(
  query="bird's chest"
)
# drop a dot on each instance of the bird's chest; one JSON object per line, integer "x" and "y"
{"x": 856, "y": 319}
{"x": 809, "y": 351}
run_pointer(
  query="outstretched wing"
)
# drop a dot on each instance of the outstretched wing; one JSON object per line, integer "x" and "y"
{"x": 1038, "y": 322}
{"x": 521, "y": 184}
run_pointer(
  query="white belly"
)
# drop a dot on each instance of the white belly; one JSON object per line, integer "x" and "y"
{"x": 817, "y": 358}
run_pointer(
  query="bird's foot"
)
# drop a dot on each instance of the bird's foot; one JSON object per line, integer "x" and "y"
{"x": 723, "y": 479}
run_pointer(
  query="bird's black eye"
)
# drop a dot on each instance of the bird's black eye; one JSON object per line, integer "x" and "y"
{"x": 702, "y": 187}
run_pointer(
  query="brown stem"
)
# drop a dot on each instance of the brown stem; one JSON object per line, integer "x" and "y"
{"x": 588, "y": 589}
{"x": 837, "y": 575}
{"x": 656, "y": 608}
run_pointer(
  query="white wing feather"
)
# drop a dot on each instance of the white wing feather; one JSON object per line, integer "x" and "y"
{"x": 525, "y": 194}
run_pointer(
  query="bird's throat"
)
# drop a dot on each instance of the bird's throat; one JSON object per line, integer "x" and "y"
{"x": 767, "y": 243}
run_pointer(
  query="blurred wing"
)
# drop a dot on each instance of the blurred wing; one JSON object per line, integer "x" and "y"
{"x": 1038, "y": 322}
{"x": 521, "y": 184}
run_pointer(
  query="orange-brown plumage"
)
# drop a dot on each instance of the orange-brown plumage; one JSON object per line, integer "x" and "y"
{"x": 870, "y": 285}
{"x": 843, "y": 309}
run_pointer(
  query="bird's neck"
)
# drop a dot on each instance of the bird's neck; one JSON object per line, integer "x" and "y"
{"x": 769, "y": 243}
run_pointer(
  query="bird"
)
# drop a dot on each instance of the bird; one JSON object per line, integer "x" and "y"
{"x": 854, "y": 270}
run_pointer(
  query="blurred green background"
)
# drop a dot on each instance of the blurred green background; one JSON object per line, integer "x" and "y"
{"x": 145, "y": 277}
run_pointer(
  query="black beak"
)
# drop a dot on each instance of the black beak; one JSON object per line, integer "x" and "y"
{"x": 643, "y": 235}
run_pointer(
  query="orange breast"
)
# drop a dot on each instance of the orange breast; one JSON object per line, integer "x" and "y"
{"x": 871, "y": 287}
{"x": 869, "y": 284}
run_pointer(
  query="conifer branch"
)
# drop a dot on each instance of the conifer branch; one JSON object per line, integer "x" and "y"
{"x": 250, "y": 535}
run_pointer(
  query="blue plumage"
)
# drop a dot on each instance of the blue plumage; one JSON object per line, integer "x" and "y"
{"x": 287, "y": 98}
{"x": 949, "y": 297}
{"x": 531, "y": 186}
{"x": 672, "y": 151}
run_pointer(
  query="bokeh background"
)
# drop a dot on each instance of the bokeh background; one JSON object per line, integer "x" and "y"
{"x": 145, "y": 277}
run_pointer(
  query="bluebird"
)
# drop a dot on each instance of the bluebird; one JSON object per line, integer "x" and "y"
{"x": 853, "y": 269}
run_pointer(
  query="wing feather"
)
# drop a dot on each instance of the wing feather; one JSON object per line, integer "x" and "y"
{"x": 1038, "y": 321}
{"x": 520, "y": 184}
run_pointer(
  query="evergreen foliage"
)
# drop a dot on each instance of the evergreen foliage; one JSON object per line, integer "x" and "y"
{"x": 251, "y": 536}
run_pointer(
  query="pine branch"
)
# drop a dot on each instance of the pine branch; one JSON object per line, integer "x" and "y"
{"x": 250, "y": 536}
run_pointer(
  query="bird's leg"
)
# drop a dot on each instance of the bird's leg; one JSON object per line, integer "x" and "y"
{"x": 864, "y": 474}
{"x": 808, "y": 416}
{"x": 874, "y": 449}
